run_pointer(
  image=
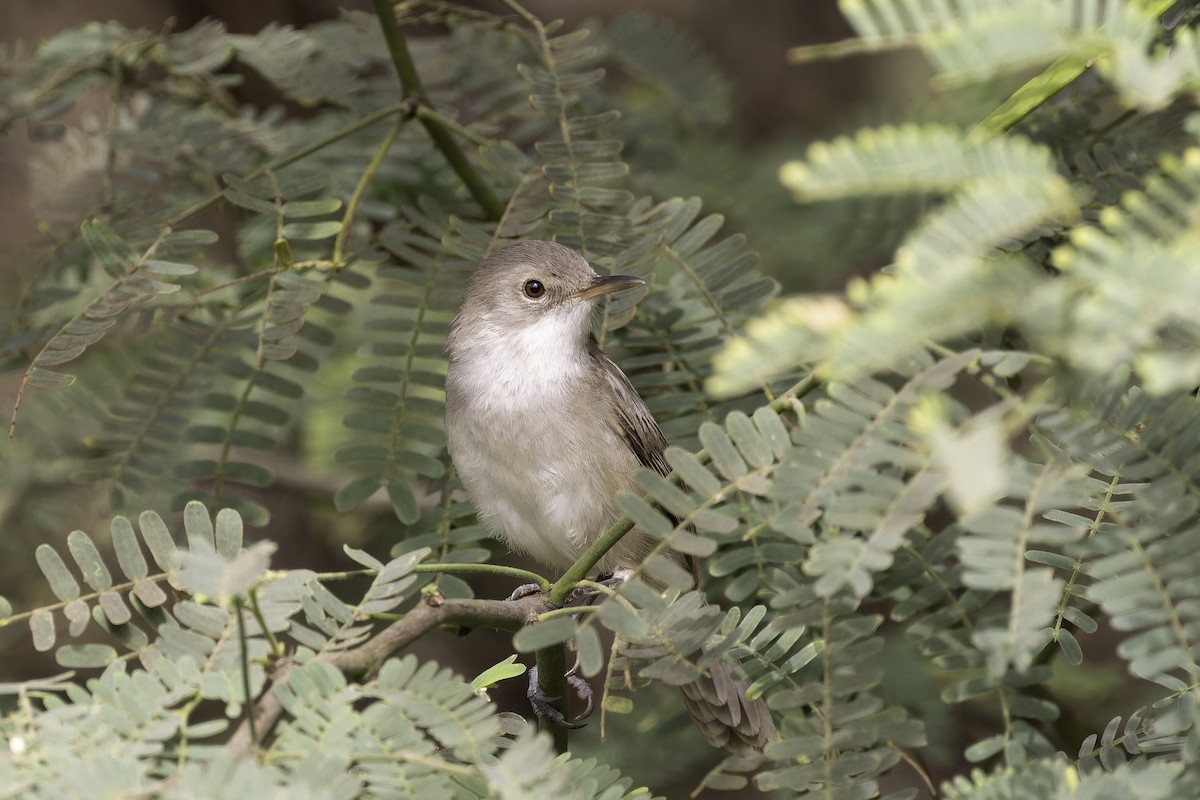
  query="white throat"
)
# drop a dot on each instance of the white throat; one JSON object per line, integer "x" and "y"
{"x": 506, "y": 368}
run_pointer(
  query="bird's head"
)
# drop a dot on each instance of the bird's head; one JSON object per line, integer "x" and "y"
{"x": 531, "y": 290}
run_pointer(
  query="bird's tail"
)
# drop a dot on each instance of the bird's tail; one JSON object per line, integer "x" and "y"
{"x": 719, "y": 708}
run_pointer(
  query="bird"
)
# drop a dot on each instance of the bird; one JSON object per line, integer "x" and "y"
{"x": 544, "y": 430}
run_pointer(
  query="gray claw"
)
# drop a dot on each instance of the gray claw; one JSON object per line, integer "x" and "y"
{"x": 543, "y": 709}
{"x": 583, "y": 690}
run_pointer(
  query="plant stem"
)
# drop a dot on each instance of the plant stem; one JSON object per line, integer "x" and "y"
{"x": 571, "y": 611}
{"x": 276, "y": 647}
{"x": 359, "y": 662}
{"x": 425, "y": 112}
{"x": 361, "y": 189}
{"x": 442, "y": 139}
{"x": 487, "y": 569}
{"x": 248, "y": 700}
{"x": 579, "y": 570}
{"x": 552, "y": 680}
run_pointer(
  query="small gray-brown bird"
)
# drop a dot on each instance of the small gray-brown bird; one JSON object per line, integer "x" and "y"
{"x": 545, "y": 429}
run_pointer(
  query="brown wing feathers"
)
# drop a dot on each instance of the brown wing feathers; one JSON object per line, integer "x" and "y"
{"x": 716, "y": 702}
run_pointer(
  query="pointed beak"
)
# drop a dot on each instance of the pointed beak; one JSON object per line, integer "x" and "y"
{"x": 606, "y": 285}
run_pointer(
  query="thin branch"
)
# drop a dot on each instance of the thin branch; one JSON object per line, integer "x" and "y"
{"x": 360, "y": 190}
{"x": 486, "y": 569}
{"x": 915, "y": 766}
{"x": 425, "y": 112}
{"x": 243, "y": 652}
{"x": 431, "y": 611}
{"x": 552, "y": 681}
{"x": 441, "y": 136}
{"x": 259, "y": 721}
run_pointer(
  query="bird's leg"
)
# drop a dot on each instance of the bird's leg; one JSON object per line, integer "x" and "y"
{"x": 583, "y": 690}
{"x": 537, "y": 698}
{"x": 541, "y": 703}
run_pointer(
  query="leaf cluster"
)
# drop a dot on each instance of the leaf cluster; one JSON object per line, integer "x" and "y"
{"x": 986, "y": 450}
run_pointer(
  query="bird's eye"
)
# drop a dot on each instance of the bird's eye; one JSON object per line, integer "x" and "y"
{"x": 534, "y": 289}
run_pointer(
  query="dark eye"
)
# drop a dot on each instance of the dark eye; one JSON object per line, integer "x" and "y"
{"x": 534, "y": 289}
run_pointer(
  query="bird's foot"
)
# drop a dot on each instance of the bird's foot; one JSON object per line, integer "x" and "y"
{"x": 614, "y": 579}
{"x": 541, "y": 703}
{"x": 524, "y": 590}
{"x": 578, "y": 597}
{"x": 584, "y": 595}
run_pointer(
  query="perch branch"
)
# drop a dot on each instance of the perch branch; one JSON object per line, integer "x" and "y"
{"x": 429, "y": 613}
{"x": 552, "y": 680}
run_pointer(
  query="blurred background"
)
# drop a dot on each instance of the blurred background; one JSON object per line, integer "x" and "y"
{"x": 762, "y": 112}
{"x": 768, "y": 110}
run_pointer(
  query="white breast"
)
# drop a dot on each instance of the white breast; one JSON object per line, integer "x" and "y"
{"x": 533, "y": 446}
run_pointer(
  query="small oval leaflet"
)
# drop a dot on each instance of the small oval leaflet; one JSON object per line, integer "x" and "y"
{"x": 355, "y": 493}
{"x": 725, "y": 456}
{"x": 129, "y": 554}
{"x": 62, "y": 582}
{"x": 114, "y": 608}
{"x": 694, "y": 474}
{"x": 85, "y": 656}
{"x": 311, "y": 208}
{"x": 404, "y": 502}
{"x": 617, "y": 705}
{"x": 149, "y": 593}
{"x": 41, "y": 625}
{"x": 363, "y": 557}
{"x": 984, "y": 749}
{"x": 506, "y": 669}
{"x": 591, "y": 653}
{"x": 158, "y": 540}
{"x": 645, "y": 517}
{"x": 749, "y": 441}
{"x": 78, "y": 614}
{"x": 228, "y": 532}
{"x": 544, "y": 634}
{"x": 198, "y": 526}
{"x": 172, "y": 269}
{"x": 84, "y": 551}
{"x": 1069, "y": 647}
{"x": 311, "y": 230}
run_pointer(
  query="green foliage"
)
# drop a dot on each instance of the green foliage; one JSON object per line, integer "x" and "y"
{"x": 987, "y": 448}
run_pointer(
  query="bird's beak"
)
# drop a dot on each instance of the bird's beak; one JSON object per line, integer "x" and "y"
{"x": 607, "y": 284}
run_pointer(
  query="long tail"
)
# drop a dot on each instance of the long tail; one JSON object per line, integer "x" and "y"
{"x": 719, "y": 708}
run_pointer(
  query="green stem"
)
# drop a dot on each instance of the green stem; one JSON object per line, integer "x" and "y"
{"x": 248, "y": 701}
{"x": 276, "y": 647}
{"x": 361, "y": 189}
{"x": 425, "y": 112}
{"x": 442, "y": 139}
{"x": 579, "y": 570}
{"x": 486, "y": 569}
{"x": 570, "y": 611}
{"x": 552, "y": 680}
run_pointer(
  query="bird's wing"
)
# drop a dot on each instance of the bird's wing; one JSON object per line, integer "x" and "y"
{"x": 640, "y": 431}
{"x": 635, "y": 422}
